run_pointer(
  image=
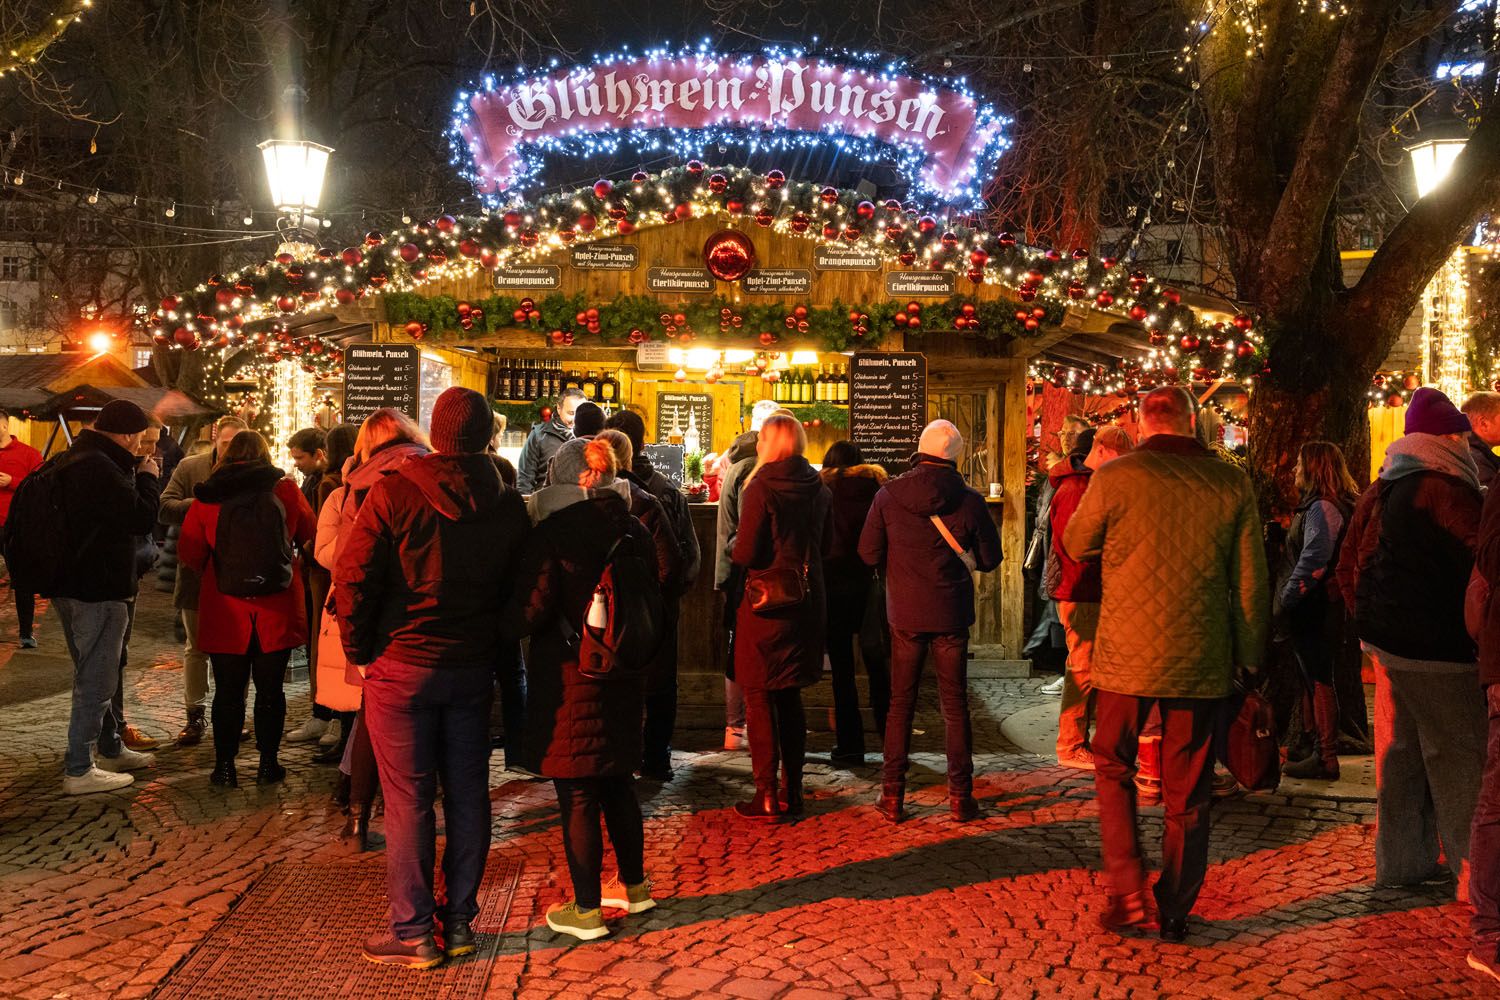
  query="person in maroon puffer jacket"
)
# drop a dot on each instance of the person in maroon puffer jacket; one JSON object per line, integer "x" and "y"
{"x": 1078, "y": 589}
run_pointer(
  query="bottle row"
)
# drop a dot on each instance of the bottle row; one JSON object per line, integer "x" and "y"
{"x": 528, "y": 381}
{"x": 823, "y": 384}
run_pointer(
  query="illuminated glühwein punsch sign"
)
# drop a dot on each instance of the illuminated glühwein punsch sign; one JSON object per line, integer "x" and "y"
{"x": 946, "y": 139}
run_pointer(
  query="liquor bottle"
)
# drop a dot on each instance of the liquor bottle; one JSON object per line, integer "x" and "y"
{"x": 690, "y": 442}
{"x": 502, "y": 375}
{"x": 571, "y": 381}
{"x": 820, "y": 393}
{"x": 843, "y": 396}
{"x": 779, "y": 387}
{"x": 554, "y": 380}
{"x": 609, "y": 388}
{"x": 805, "y": 387}
{"x": 674, "y": 436}
{"x": 533, "y": 382}
{"x": 591, "y": 386}
{"x": 790, "y": 378}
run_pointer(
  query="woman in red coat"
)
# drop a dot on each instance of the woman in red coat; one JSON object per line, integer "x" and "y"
{"x": 250, "y": 636}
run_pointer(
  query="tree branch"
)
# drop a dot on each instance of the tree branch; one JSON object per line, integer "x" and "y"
{"x": 18, "y": 52}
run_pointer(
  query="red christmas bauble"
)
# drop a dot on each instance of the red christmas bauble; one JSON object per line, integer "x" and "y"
{"x": 374, "y": 238}
{"x": 975, "y": 274}
{"x": 310, "y": 294}
{"x": 1190, "y": 342}
{"x": 351, "y": 256}
{"x": 410, "y": 252}
{"x": 775, "y": 179}
{"x": 683, "y": 210}
{"x": 865, "y": 210}
{"x": 852, "y": 233}
{"x": 489, "y": 259}
{"x": 1138, "y": 312}
{"x": 512, "y": 219}
{"x": 717, "y": 183}
{"x": 764, "y": 217}
{"x": 286, "y": 303}
{"x": 638, "y": 336}
{"x": 767, "y": 338}
{"x": 519, "y": 316}
{"x": 695, "y": 168}
{"x": 894, "y": 232}
{"x": 1076, "y": 291}
{"x": 602, "y": 189}
{"x": 800, "y": 222}
{"x": 1394, "y": 399}
{"x": 617, "y": 212}
{"x": 1105, "y": 299}
{"x": 415, "y": 330}
{"x": 735, "y": 205}
{"x": 1158, "y": 338}
{"x": 978, "y": 258}
{"x": 926, "y": 224}
{"x": 830, "y": 231}
{"x": 546, "y": 413}
{"x": 907, "y": 258}
{"x": 378, "y": 278}
{"x": 1108, "y": 262}
{"x": 1079, "y": 253}
{"x": 284, "y": 259}
{"x": 437, "y": 255}
{"x": 469, "y": 247}
{"x": 1243, "y": 322}
{"x": 639, "y": 177}
{"x": 1172, "y": 295}
{"x": 447, "y": 223}
{"x": 829, "y": 195}
{"x": 567, "y": 234}
{"x": 587, "y": 222}
{"x": 1244, "y": 349}
{"x": 557, "y": 336}
{"x": 185, "y": 337}
{"x": 1410, "y": 383}
{"x": 1006, "y": 239}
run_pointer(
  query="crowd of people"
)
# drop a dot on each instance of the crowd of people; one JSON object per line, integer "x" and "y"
{"x": 426, "y": 577}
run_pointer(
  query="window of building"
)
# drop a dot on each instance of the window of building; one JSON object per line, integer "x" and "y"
{"x": 10, "y": 314}
{"x": 11, "y": 267}
{"x": 1175, "y": 253}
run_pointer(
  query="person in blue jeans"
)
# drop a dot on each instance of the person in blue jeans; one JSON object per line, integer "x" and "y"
{"x": 419, "y": 586}
{"x": 109, "y": 495}
{"x": 928, "y": 533}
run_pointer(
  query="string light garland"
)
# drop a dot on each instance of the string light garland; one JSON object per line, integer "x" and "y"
{"x": 863, "y": 104}
{"x": 255, "y": 302}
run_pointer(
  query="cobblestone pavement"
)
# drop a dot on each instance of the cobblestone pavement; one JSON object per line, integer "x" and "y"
{"x": 103, "y": 895}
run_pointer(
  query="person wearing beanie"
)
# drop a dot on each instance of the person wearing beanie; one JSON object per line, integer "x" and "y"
{"x": 927, "y": 534}
{"x": 588, "y": 420}
{"x": 110, "y": 494}
{"x": 581, "y": 731}
{"x": 419, "y": 585}
{"x": 544, "y": 440}
{"x": 1407, "y": 556}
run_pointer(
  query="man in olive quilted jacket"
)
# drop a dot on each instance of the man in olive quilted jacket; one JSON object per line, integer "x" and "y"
{"x": 1185, "y": 606}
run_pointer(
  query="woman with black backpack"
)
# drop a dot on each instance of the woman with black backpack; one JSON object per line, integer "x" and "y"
{"x": 781, "y": 624}
{"x": 244, "y": 535}
{"x": 584, "y": 731}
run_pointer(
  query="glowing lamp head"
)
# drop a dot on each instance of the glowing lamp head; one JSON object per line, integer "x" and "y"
{"x": 1431, "y": 161}
{"x": 100, "y": 342}
{"x": 295, "y": 169}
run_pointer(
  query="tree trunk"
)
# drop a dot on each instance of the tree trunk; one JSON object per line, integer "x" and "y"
{"x": 1285, "y": 414}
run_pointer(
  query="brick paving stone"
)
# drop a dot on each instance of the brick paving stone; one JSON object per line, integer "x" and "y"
{"x": 104, "y": 895}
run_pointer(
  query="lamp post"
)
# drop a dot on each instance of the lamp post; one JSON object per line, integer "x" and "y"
{"x": 1445, "y": 302}
{"x": 295, "y": 170}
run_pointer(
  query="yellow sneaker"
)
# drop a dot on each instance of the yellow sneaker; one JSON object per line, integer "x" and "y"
{"x": 567, "y": 918}
{"x": 630, "y": 898}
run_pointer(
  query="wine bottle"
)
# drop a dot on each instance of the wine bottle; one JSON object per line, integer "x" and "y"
{"x": 844, "y": 385}
{"x": 591, "y": 386}
{"x": 609, "y": 388}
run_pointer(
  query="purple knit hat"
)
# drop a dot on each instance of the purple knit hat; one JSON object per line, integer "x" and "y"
{"x": 1431, "y": 412}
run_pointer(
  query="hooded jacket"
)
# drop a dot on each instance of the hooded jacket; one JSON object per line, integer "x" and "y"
{"x": 648, "y": 510}
{"x": 851, "y": 492}
{"x": 428, "y": 562}
{"x": 576, "y": 727}
{"x": 1186, "y": 598}
{"x": 1409, "y": 550}
{"x": 1486, "y": 462}
{"x": 176, "y": 499}
{"x": 109, "y": 506}
{"x": 927, "y": 586}
{"x": 738, "y": 461}
{"x": 782, "y": 513}
{"x": 536, "y": 454}
{"x": 1071, "y": 580}
{"x": 226, "y": 623}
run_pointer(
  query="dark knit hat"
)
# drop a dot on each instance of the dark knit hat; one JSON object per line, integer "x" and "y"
{"x": 121, "y": 416}
{"x": 462, "y": 422}
{"x": 588, "y": 420}
{"x": 1431, "y": 412}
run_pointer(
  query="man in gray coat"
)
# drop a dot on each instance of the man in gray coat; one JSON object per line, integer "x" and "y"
{"x": 175, "y": 501}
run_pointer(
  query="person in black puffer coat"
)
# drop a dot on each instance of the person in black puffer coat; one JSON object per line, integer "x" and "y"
{"x": 852, "y": 486}
{"x": 583, "y": 733}
{"x": 779, "y": 652}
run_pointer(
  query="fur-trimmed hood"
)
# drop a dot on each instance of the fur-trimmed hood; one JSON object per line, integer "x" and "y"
{"x": 875, "y": 472}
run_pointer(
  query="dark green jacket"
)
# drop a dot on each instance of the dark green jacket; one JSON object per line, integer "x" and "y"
{"x": 1186, "y": 598}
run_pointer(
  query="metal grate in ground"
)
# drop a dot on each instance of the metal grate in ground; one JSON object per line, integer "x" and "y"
{"x": 299, "y": 930}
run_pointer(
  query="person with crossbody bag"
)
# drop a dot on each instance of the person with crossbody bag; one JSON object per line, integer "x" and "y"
{"x": 929, "y": 533}
{"x": 781, "y": 622}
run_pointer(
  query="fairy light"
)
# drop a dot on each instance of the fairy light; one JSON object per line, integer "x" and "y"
{"x": 293, "y": 396}
{"x": 1445, "y": 328}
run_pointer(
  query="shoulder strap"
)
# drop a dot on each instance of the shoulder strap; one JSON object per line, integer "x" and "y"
{"x": 942, "y": 528}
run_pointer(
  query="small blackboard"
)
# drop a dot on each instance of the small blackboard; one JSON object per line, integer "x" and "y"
{"x": 675, "y": 407}
{"x": 668, "y": 459}
{"x": 887, "y": 406}
{"x": 380, "y": 375}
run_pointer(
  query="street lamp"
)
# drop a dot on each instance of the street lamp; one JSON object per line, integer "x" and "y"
{"x": 1445, "y": 303}
{"x": 1431, "y": 160}
{"x": 294, "y": 170}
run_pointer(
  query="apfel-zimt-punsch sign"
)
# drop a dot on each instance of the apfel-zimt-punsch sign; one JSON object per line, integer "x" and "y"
{"x": 943, "y": 137}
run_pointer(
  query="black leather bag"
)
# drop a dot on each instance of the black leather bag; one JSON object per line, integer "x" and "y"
{"x": 776, "y": 589}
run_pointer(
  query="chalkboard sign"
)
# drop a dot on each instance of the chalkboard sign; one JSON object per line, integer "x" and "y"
{"x": 378, "y": 375}
{"x": 668, "y": 459}
{"x": 674, "y": 408}
{"x": 887, "y": 406}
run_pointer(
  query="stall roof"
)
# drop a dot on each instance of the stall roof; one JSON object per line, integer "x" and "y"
{"x": 166, "y": 405}
{"x": 37, "y": 371}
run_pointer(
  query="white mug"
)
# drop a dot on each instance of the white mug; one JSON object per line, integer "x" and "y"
{"x": 997, "y": 490}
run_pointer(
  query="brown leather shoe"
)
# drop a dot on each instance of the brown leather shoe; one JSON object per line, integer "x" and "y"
{"x": 892, "y": 804}
{"x": 137, "y": 740}
{"x": 764, "y": 807}
{"x": 192, "y": 733}
{"x": 964, "y": 809}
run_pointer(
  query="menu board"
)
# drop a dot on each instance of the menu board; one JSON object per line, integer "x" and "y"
{"x": 379, "y": 375}
{"x": 668, "y": 459}
{"x": 887, "y": 406}
{"x": 673, "y": 408}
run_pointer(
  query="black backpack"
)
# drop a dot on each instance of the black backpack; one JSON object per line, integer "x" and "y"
{"x": 624, "y": 621}
{"x": 38, "y": 544}
{"x": 252, "y": 553}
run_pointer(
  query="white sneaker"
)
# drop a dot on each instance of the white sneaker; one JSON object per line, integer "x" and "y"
{"x": 734, "y": 738}
{"x": 310, "y": 730}
{"x": 95, "y": 780}
{"x": 1055, "y": 687}
{"x": 128, "y": 760}
{"x": 331, "y": 734}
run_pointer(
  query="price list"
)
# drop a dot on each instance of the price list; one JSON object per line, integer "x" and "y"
{"x": 887, "y": 406}
{"x": 378, "y": 375}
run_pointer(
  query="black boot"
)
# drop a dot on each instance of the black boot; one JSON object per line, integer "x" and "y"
{"x": 795, "y": 802}
{"x": 224, "y": 775}
{"x": 764, "y": 807}
{"x": 357, "y": 836}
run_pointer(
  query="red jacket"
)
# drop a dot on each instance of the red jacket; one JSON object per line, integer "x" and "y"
{"x": 1077, "y": 581}
{"x": 225, "y": 623}
{"x": 17, "y": 460}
